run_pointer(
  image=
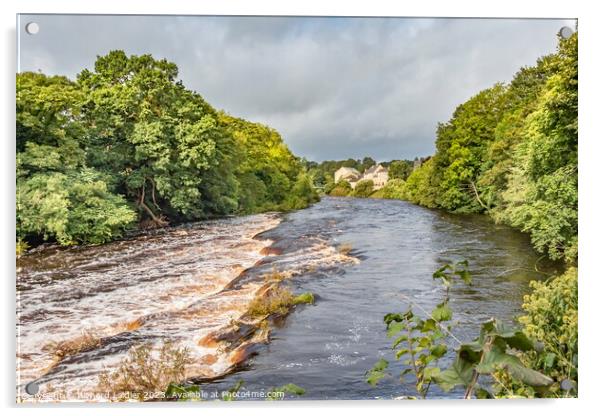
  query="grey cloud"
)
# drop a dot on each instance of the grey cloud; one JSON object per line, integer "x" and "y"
{"x": 334, "y": 87}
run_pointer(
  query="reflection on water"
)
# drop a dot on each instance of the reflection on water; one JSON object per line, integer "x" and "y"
{"x": 182, "y": 283}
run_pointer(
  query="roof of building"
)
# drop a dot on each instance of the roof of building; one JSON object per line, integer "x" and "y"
{"x": 345, "y": 169}
{"x": 374, "y": 169}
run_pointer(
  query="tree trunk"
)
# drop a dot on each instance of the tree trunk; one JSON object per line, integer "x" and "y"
{"x": 156, "y": 219}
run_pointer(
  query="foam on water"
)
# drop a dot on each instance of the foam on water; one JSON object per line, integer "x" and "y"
{"x": 178, "y": 285}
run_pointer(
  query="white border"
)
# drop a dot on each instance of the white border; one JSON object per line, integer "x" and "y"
{"x": 589, "y": 168}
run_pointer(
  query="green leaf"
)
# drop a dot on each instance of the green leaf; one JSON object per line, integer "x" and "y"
{"x": 439, "y": 350}
{"x": 497, "y": 358}
{"x": 399, "y": 340}
{"x": 470, "y": 352}
{"x": 381, "y": 364}
{"x": 527, "y": 375}
{"x": 431, "y": 373}
{"x": 429, "y": 325}
{"x": 442, "y": 312}
{"x": 401, "y": 353}
{"x": 395, "y": 327}
{"x": 465, "y": 276}
{"x": 459, "y": 374}
{"x": 374, "y": 375}
{"x": 549, "y": 360}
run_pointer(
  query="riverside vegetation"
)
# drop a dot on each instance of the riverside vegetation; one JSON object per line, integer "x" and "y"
{"x": 510, "y": 152}
{"x": 127, "y": 145}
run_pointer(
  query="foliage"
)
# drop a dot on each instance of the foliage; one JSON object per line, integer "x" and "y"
{"x": 421, "y": 186}
{"x": 393, "y": 189}
{"x": 551, "y": 319}
{"x": 363, "y": 189}
{"x": 143, "y": 372}
{"x": 304, "y": 298}
{"x": 511, "y": 151}
{"x": 494, "y": 353}
{"x": 542, "y": 196}
{"x": 421, "y": 340}
{"x": 342, "y": 188}
{"x": 400, "y": 169}
{"x": 71, "y": 208}
{"x": 127, "y": 142}
{"x": 277, "y": 300}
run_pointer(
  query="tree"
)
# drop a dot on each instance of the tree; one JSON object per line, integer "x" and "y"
{"x": 158, "y": 139}
{"x": 58, "y": 196}
{"x": 363, "y": 189}
{"x": 400, "y": 169}
{"x": 129, "y": 142}
{"x": 542, "y": 197}
{"x": 342, "y": 188}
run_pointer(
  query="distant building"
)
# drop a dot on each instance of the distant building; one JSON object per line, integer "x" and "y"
{"x": 378, "y": 174}
{"x": 351, "y": 175}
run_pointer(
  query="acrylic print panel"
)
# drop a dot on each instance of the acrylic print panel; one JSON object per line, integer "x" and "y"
{"x": 295, "y": 208}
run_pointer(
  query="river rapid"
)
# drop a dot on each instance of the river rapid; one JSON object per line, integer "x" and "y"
{"x": 185, "y": 283}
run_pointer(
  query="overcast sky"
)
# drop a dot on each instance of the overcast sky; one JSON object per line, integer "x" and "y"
{"x": 333, "y": 87}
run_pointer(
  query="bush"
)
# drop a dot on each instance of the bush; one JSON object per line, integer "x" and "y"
{"x": 72, "y": 209}
{"x": 394, "y": 189}
{"x": 142, "y": 372}
{"x": 277, "y": 301}
{"x": 551, "y": 321}
{"x": 363, "y": 189}
{"x": 342, "y": 188}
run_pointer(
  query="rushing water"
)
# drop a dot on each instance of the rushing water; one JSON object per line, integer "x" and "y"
{"x": 183, "y": 283}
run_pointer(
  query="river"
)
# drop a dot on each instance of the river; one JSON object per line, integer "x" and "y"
{"x": 184, "y": 283}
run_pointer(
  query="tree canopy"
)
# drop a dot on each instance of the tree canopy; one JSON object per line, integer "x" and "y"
{"x": 127, "y": 143}
{"x": 511, "y": 150}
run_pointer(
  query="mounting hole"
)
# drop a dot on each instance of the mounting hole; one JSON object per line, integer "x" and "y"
{"x": 32, "y": 28}
{"x": 32, "y": 388}
{"x": 566, "y": 32}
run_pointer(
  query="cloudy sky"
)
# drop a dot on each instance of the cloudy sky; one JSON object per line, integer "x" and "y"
{"x": 334, "y": 87}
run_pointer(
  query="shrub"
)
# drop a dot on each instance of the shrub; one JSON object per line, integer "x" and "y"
{"x": 394, "y": 189}
{"x": 551, "y": 320}
{"x": 142, "y": 372}
{"x": 342, "y": 188}
{"x": 277, "y": 300}
{"x": 363, "y": 189}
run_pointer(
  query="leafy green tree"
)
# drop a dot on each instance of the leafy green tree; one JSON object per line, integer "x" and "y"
{"x": 542, "y": 196}
{"x": 129, "y": 142}
{"x": 71, "y": 208}
{"x": 461, "y": 145}
{"x": 421, "y": 187}
{"x": 394, "y": 189}
{"x": 363, "y": 189}
{"x": 400, "y": 169}
{"x": 342, "y": 188}
{"x": 367, "y": 162}
{"x": 156, "y": 138}
{"x": 58, "y": 196}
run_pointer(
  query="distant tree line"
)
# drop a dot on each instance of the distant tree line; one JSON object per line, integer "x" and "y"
{"x": 128, "y": 145}
{"x": 322, "y": 173}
